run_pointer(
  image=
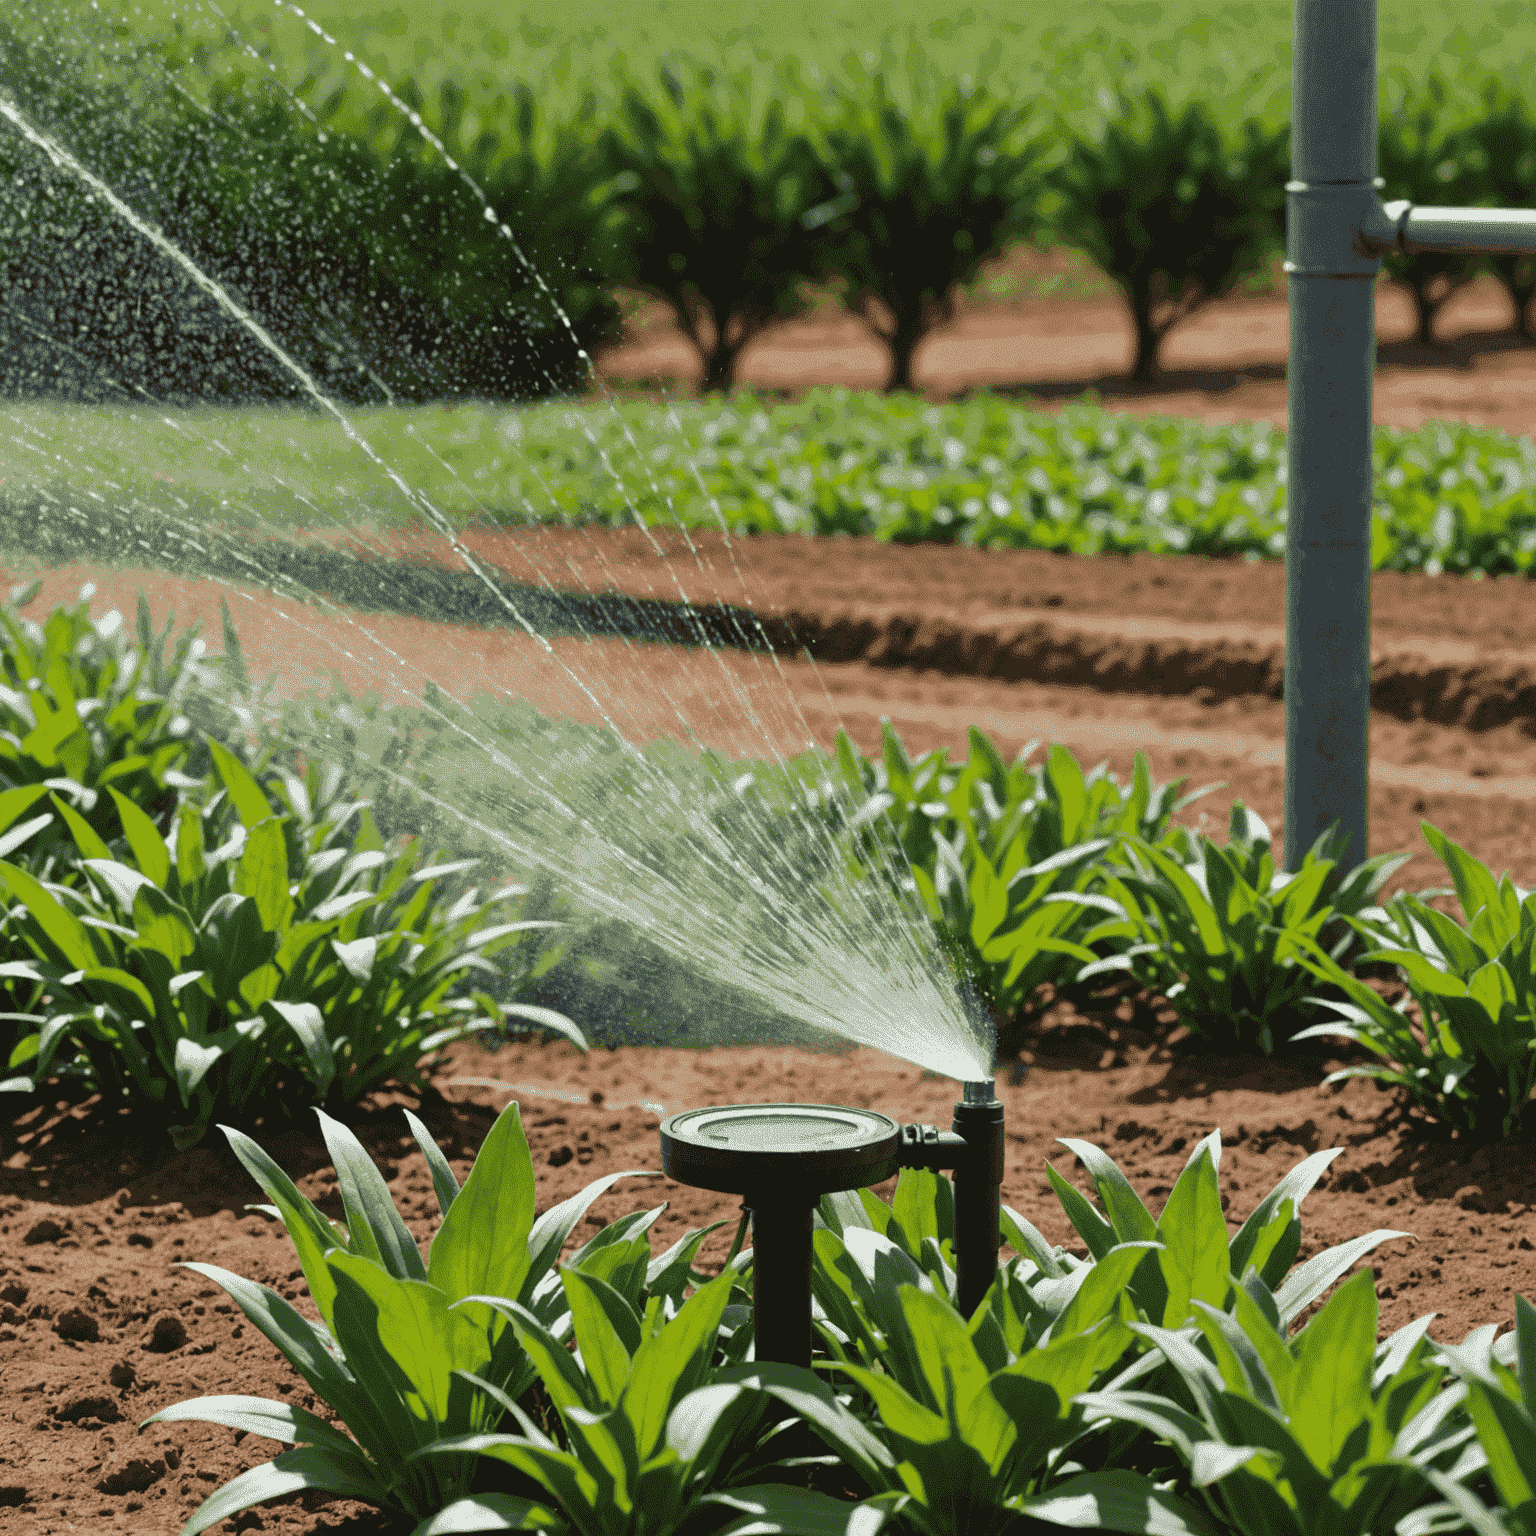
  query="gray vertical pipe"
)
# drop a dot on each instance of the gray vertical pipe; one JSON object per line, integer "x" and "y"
{"x": 1337, "y": 230}
{"x": 1328, "y": 392}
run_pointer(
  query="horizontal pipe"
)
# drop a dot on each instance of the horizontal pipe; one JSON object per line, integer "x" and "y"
{"x": 1404, "y": 227}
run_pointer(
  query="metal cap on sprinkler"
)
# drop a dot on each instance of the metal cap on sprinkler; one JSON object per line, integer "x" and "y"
{"x": 782, "y": 1158}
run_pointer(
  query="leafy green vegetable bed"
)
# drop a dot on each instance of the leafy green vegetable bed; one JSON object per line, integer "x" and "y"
{"x": 983, "y": 471}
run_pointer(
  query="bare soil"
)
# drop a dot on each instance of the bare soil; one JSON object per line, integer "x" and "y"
{"x": 98, "y": 1328}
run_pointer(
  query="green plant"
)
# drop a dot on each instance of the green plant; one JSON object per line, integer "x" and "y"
{"x": 934, "y": 173}
{"x": 1002, "y": 857}
{"x": 970, "y": 1432}
{"x": 723, "y": 175}
{"x": 648, "y": 1436}
{"x": 1324, "y": 1431}
{"x": 85, "y": 708}
{"x": 252, "y": 953}
{"x": 1470, "y": 1058}
{"x": 407, "y": 1352}
{"x": 1199, "y": 1259}
{"x": 1231, "y": 928}
{"x": 1176, "y": 209}
{"x": 1499, "y": 1376}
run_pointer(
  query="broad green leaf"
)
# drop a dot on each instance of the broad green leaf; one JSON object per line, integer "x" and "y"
{"x": 444, "y": 1185}
{"x": 311, "y": 1234}
{"x": 900, "y": 1413}
{"x": 260, "y": 1416}
{"x": 1475, "y": 885}
{"x": 1130, "y": 1218}
{"x": 191, "y": 860}
{"x": 1307, "y": 1283}
{"x": 1099, "y": 1292}
{"x": 163, "y": 925}
{"x": 778, "y": 1509}
{"x": 308, "y": 1023}
{"x": 549, "y": 1233}
{"x": 488, "y": 1512}
{"x": 1116, "y": 1500}
{"x": 1331, "y": 1388}
{"x": 482, "y": 1246}
{"x": 813, "y": 1401}
{"x": 671, "y": 1363}
{"x": 423, "y": 1337}
{"x": 262, "y": 874}
{"x": 1026, "y": 1240}
{"x": 605, "y": 1355}
{"x": 956, "y": 1376}
{"x": 304, "y": 1346}
{"x": 1072, "y": 1363}
{"x": 15, "y": 803}
{"x": 916, "y": 1204}
{"x": 1193, "y": 1231}
{"x": 63, "y": 929}
{"x": 377, "y": 1229}
{"x": 149, "y": 850}
{"x": 1294, "y": 1187}
{"x": 1094, "y": 1230}
{"x": 308, "y": 1468}
{"x": 559, "y": 1471}
{"x": 87, "y": 839}
{"x": 245, "y": 794}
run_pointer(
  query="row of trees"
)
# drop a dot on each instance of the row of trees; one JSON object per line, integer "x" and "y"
{"x": 487, "y": 263}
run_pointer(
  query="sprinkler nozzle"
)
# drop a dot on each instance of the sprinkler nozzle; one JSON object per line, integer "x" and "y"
{"x": 980, "y": 1093}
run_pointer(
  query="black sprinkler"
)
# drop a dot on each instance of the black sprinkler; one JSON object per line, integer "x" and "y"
{"x": 782, "y": 1158}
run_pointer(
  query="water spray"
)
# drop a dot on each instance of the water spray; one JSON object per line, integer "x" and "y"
{"x": 782, "y": 1158}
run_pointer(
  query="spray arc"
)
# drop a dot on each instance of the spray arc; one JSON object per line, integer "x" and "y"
{"x": 782, "y": 1158}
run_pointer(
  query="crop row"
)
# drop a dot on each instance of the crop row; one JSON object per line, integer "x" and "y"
{"x": 193, "y": 923}
{"x": 983, "y": 472}
{"x": 400, "y": 247}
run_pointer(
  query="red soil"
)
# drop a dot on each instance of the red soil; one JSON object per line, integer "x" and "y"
{"x": 98, "y": 1329}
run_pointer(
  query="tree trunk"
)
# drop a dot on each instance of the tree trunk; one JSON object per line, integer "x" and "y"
{"x": 720, "y": 367}
{"x": 903, "y": 342}
{"x": 1144, "y": 370}
{"x": 1425, "y": 309}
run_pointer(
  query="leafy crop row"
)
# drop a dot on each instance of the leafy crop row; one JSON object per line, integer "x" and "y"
{"x": 1036, "y": 872}
{"x": 1163, "y": 1381}
{"x": 984, "y": 472}
{"x": 241, "y": 934}
{"x": 222, "y": 942}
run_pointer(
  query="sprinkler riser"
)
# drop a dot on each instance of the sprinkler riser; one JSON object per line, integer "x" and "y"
{"x": 978, "y": 1200}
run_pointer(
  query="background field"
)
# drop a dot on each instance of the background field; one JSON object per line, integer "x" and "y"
{"x": 1065, "y": 49}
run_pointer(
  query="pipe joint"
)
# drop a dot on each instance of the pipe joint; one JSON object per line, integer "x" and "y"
{"x": 926, "y": 1146}
{"x": 1336, "y": 228}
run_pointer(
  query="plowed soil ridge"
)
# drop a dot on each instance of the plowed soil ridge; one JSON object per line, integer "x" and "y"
{"x": 1032, "y": 619}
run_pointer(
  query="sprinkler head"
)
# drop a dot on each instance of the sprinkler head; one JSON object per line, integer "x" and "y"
{"x": 782, "y": 1158}
{"x": 775, "y": 1150}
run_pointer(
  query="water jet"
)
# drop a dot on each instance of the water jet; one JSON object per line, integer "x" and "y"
{"x": 782, "y": 1158}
